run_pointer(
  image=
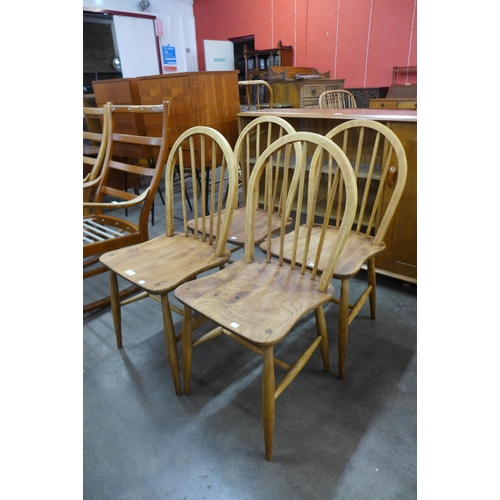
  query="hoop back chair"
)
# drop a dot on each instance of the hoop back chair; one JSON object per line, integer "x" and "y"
{"x": 103, "y": 231}
{"x": 258, "y": 94}
{"x": 337, "y": 99}
{"x": 379, "y": 164}
{"x": 94, "y": 145}
{"x": 257, "y": 300}
{"x": 160, "y": 265}
{"x": 252, "y": 141}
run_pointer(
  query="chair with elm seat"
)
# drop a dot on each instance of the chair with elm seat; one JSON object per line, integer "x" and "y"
{"x": 158, "y": 266}
{"x": 257, "y": 300}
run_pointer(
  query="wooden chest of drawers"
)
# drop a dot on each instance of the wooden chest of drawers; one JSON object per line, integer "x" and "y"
{"x": 396, "y": 103}
{"x": 303, "y": 93}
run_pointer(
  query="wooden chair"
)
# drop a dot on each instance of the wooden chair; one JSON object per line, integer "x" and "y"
{"x": 252, "y": 141}
{"x": 103, "y": 232}
{"x": 337, "y": 99}
{"x": 258, "y": 94}
{"x": 94, "y": 145}
{"x": 160, "y": 265}
{"x": 379, "y": 164}
{"x": 257, "y": 300}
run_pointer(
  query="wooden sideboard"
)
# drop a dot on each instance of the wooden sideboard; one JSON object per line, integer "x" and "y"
{"x": 398, "y": 97}
{"x": 299, "y": 87}
{"x": 394, "y": 103}
{"x": 303, "y": 93}
{"x": 208, "y": 98}
{"x": 399, "y": 260}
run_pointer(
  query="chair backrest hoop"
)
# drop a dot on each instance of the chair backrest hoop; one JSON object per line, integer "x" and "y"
{"x": 256, "y": 85}
{"x": 244, "y": 140}
{"x": 398, "y": 174}
{"x": 321, "y": 144}
{"x": 337, "y": 99}
{"x": 229, "y": 163}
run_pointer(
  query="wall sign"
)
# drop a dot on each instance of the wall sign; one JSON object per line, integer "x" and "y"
{"x": 159, "y": 28}
{"x": 169, "y": 59}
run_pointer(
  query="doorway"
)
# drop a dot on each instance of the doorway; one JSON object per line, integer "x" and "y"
{"x": 239, "y": 44}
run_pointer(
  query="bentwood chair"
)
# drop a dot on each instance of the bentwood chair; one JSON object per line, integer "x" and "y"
{"x": 103, "y": 229}
{"x": 379, "y": 164}
{"x": 95, "y": 138}
{"x": 337, "y": 99}
{"x": 160, "y": 265}
{"x": 258, "y": 94}
{"x": 257, "y": 300}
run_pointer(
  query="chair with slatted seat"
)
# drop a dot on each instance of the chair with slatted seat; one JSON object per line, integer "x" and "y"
{"x": 379, "y": 164}
{"x": 258, "y": 94}
{"x": 95, "y": 136}
{"x": 337, "y": 99}
{"x": 103, "y": 230}
{"x": 158, "y": 266}
{"x": 256, "y": 301}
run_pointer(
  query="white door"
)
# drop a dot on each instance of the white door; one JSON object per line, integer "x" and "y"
{"x": 219, "y": 55}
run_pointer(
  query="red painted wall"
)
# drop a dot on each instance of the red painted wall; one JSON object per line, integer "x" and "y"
{"x": 359, "y": 40}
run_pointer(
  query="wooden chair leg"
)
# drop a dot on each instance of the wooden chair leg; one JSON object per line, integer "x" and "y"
{"x": 116, "y": 307}
{"x": 372, "y": 280}
{"x": 343, "y": 326}
{"x": 321, "y": 328}
{"x": 268, "y": 401}
{"x": 187, "y": 347}
{"x": 168, "y": 328}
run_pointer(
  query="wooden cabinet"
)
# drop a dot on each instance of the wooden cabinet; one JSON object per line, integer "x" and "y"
{"x": 258, "y": 61}
{"x": 399, "y": 259}
{"x": 302, "y": 93}
{"x": 300, "y": 87}
{"x": 208, "y": 98}
{"x": 395, "y": 103}
{"x": 398, "y": 97}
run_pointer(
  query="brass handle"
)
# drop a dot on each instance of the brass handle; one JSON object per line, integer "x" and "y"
{"x": 391, "y": 176}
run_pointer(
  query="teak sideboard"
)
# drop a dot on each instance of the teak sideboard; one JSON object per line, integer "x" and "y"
{"x": 208, "y": 98}
{"x": 399, "y": 259}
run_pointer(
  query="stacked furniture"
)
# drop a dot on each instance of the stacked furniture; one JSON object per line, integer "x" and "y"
{"x": 257, "y": 62}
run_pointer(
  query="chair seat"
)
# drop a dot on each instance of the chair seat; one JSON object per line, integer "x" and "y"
{"x": 281, "y": 295}
{"x": 237, "y": 229}
{"x": 358, "y": 249}
{"x": 105, "y": 232}
{"x": 161, "y": 264}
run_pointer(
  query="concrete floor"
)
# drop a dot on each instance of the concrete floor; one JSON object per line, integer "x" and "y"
{"x": 350, "y": 439}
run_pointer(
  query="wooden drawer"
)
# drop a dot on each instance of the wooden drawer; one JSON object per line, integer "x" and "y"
{"x": 312, "y": 90}
{"x": 393, "y": 103}
{"x": 407, "y": 104}
{"x": 310, "y": 103}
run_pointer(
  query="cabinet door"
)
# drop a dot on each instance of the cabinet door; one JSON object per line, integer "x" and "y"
{"x": 400, "y": 257}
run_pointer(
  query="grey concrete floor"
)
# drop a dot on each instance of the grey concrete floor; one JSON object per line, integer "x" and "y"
{"x": 350, "y": 439}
